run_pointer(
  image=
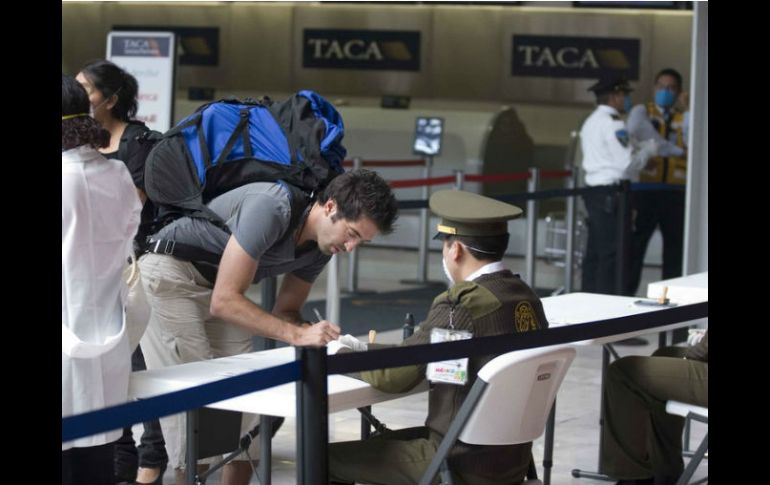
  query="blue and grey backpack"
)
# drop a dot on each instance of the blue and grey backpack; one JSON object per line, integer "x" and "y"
{"x": 228, "y": 143}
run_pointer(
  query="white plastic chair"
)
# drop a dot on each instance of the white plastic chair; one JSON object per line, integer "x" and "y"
{"x": 691, "y": 412}
{"x": 508, "y": 404}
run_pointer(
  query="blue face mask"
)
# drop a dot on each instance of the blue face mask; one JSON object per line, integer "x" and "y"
{"x": 664, "y": 98}
{"x": 627, "y": 104}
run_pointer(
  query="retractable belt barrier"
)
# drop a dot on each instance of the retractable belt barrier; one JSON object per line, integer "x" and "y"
{"x": 522, "y": 197}
{"x": 122, "y": 415}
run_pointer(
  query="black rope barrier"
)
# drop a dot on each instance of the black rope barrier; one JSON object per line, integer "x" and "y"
{"x": 499, "y": 344}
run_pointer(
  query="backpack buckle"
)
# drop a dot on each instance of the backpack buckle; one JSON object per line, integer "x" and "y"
{"x": 167, "y": 249}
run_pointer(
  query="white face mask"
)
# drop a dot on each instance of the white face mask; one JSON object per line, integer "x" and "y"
{"x": 104, "y": 101}
{"x": 94, "y": 108}
{"x": 446, "y": 272}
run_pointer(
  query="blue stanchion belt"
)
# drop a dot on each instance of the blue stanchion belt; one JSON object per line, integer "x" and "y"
{"x": 115, "y": 417}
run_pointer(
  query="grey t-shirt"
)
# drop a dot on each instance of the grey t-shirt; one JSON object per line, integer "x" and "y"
{"x": 258, "y": 215}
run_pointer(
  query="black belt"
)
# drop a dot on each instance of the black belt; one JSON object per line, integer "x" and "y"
{"x": 182, "y": 251}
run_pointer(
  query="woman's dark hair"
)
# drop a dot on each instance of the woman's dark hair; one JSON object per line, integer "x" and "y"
{"x": 363, "y": 193}
{"x": 81, "y": 129}
{"x": 108, "y": 78}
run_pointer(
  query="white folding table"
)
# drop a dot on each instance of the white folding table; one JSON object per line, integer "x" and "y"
{"x": 573, "y": 308}
{"x": 344, "y": 393}
{"x": 685, "y": 289}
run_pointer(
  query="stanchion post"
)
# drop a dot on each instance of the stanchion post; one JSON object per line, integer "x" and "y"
{"x": 422, "y": 244}
{"x": 353, "y": 255}
{"x": 192, "y": 450}
{"x": 623, "y": 236}
{"x": 264, "y": 471}
{"x": 569, "y": 262}
{"x": 333, "y": 290}
{"x": 459, "y": 179}
{"x": 532, "y": 184}
{"x": 312, "y": 417}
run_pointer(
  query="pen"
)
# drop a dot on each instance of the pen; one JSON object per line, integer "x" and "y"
{"x": 318, "y": 314}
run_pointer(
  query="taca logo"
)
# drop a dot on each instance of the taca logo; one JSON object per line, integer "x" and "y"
{"x": 355, "y": 49}
{"x": 361, "y": 49}
{"x": 130, "y": 44}
{"x": 572, "y": 57}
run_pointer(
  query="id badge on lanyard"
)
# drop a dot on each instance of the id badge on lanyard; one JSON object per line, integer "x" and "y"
{"x": 449, "y": 371}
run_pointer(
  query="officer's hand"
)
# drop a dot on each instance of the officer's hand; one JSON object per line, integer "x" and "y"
{"x": 352, "y": 343}
{"x": 316, "y": 335}
{"x": 695, "y": 336}
{"x": 682, "y": 102}
{"x": 334, "y": 347}
{"x": 648, "y": 149}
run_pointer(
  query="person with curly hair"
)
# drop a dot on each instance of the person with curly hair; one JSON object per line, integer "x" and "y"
{"x": 100, "y": 215}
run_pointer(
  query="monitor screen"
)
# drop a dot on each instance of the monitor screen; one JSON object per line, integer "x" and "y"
{"x": 427, "y": 136}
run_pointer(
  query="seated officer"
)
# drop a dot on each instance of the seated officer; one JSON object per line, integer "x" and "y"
{"x": 642, "y": 442}
{"x": 484, "y": 299}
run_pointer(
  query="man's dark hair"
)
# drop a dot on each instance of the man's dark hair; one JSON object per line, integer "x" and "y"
{"x": 363, "y": 193}
{"x": 673, "y": 73}
{"x": 483, "y": 248}
{"x": 108, "y": 78}
{"x": 82, "y": 129}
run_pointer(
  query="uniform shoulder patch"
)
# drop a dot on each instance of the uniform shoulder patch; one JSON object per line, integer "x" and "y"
{"x": 616, "y": 117}
{"x": 622, "y": 136}
{"x": 525, "y": 317}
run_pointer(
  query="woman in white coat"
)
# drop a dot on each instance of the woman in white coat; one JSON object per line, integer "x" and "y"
{"x": 100, "y": 215}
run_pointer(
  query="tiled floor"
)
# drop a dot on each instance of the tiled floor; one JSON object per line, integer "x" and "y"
{"x": 577, "y": 405}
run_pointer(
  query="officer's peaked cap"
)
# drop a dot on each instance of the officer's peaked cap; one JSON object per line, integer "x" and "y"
{"x": 611, "y": 84}
{"x": 468, "y": 214}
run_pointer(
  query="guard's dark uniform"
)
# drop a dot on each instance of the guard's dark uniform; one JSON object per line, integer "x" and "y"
{"x": 493, "y": 304}
{"x": 607, "y": 159}
{"x": 641, "y": 439}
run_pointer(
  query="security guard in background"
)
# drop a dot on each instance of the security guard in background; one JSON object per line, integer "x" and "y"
{"x": 657, "y": 203}
{"x": 609, "y": 156}
{"x": 484, "y": 299}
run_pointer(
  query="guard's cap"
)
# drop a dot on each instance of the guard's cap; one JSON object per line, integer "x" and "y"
{"x": 468, "y": 214}
{"x": 611, "y": 84}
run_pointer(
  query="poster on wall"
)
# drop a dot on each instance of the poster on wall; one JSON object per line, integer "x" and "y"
{"x": 151, "y": 58}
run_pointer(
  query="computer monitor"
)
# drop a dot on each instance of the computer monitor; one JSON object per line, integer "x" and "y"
{"x": 427, "y": 136}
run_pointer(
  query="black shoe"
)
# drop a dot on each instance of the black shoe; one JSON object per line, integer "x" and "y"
{"x": 158, "y": 481}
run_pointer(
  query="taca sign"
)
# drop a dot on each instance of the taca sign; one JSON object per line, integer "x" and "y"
{"x": 361, "y": 49}
{"x": 574, "y": 57}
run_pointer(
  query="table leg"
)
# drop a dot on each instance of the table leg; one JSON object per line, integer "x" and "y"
{"x": 598, "y": 475}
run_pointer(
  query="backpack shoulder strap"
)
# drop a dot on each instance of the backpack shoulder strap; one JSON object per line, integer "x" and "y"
{"x": 132, "y": 133}
{"x": 299, "y": 200}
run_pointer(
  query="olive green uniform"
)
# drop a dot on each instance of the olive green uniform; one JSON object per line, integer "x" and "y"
{"x": 641, "y": 440}
{"x": 493, "y": 304}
